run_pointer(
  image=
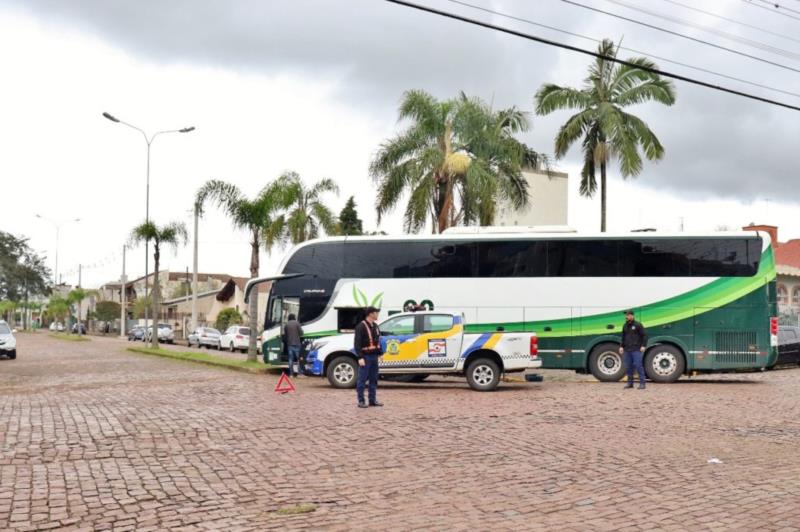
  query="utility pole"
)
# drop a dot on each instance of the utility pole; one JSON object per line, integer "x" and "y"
{"x": 194, "y": 270}
{"x": 79, "y": 301}
{"x": 123, "y": 298}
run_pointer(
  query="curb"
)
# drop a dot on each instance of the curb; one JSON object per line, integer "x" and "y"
{"x": 168, "y": 354}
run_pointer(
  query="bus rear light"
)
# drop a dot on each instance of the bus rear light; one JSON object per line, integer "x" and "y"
{"x": 534, "y": 346}
{"x": 773, "y": 325}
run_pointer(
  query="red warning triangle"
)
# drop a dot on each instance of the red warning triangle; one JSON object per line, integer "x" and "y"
{"x": 285, "y": 384}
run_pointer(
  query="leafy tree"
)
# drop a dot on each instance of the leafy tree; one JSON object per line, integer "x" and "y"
{"x": 22, "y": 272}
{"x": 306, "y": 211}
{"x": 259, "y": 216}
{"x": 173, "y": 234}
{"x": 227, "y": 317}
{"x": 349, "y": 222}
{"x": 6, "y": 309}
{"x": 182, "y": 290}
{"x": 58, "y": 308}
{"x": 456, "y": 160}
{"x": 606, "y": 129}
{"x": 107, "y": 310}
{"x": 140, "y": 304}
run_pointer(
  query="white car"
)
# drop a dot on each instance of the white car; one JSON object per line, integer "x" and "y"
{"x": 235, "y": 338}
{"x": 165, "y": 333}
{"x": 8, "y": 344}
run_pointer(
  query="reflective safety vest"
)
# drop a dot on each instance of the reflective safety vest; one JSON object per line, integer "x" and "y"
{"x": 372, "y": 345}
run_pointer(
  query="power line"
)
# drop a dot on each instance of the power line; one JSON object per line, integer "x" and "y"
{"x": 542, "y": 40}
{"x": 745, "y": 24}
{"x": 553, "y": 28}
{"x": 778, "y": 6}
{"x": 658, "y": 28}
{"x": 720, "y": 33}
{"x": 750, "y": 3}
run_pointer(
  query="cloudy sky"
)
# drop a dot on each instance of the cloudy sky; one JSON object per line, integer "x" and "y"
{"x": 313, "y": 86}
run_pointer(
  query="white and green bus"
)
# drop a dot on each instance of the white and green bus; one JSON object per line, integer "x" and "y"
{"x": 708, "y": 301}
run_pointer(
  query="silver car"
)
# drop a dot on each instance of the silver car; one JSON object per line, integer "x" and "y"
{"x": 204, "y": 337}
{"x": 165, "y": 333}
{"x": 8, "y": 344}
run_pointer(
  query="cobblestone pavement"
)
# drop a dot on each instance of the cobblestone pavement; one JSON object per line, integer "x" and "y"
{"x": 93, "y": 437}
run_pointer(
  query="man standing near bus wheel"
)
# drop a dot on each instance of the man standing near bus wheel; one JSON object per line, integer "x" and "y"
{"x": 367, "y": 344}
{"x": 634, "y": 342}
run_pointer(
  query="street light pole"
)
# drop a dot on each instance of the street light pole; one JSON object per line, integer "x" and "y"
{"x": 148, "y": 141}
{"x": 57, "y": 225}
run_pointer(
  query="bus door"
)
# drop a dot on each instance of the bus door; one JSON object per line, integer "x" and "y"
{"x": 278, "y": 314}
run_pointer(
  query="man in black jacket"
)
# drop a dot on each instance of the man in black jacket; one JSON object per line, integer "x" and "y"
{"x": 367, "y": 344}
{"x": 634, "y": 342}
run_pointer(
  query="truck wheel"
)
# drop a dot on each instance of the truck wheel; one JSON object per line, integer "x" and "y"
{"x": 605, "y": 363}
{"x": 13, "y": 354}
{"x": 342, "y": 372}
{"x": 664, "y": 363}
{"x": 483, "y": 374}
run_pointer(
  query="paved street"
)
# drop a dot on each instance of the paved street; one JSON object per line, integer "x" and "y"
{"x": 93, "y": 437}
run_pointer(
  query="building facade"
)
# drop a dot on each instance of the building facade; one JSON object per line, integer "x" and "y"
{"x": 787, "y": 266}
{"x": 548, "y": 194}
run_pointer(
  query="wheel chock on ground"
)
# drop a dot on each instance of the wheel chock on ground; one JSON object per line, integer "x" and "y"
{"x": 533, "y": 377}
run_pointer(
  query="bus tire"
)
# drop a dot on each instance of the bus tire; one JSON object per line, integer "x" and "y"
{"x": 664, "y": 363}
{"x": 483, "y": 374}
{"x": 606, "y": 363}
{"x": 343, "y": 372}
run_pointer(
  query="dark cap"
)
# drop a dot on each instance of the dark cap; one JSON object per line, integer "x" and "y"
{"x": 629, "y": 311}
{"x": 370, "y": 310}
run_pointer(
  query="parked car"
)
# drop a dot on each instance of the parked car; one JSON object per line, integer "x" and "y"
{"x": 75, "y": 328}
{"x": 204, "y": 337}
{"x": 165, "y": 333}
{"x": 53, "y": 326}
{"x": 235, "y": 338}
{"x": 8, "y": 344}
{"x": 136, "y": 334}
{"x": 788, "y": 344}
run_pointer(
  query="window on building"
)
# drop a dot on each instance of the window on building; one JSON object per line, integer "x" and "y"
{"x": 783, "y": 295}
{"x": 796, "y": 296}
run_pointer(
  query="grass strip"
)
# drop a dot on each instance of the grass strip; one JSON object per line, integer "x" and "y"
{"x": 70, "y": 337}
{"x": 205, "y": 358}
{"x": 297, "y": 509}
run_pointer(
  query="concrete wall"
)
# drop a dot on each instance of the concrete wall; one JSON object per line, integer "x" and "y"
{"x": 548, "y": 202}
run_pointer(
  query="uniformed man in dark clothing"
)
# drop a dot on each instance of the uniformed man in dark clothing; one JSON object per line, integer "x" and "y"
{"x": 634, "y": 342}
{"x": 367, "y": 344}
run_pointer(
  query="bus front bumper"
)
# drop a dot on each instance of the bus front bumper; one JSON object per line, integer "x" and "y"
{"x": 313, "y": 363}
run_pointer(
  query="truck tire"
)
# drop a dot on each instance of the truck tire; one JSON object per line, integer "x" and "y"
{"x": 664, "y": 363}
{"x": 606, "y": 363}
{"x": 13, "y": 354}
{"x": 483, "y": 374}
{"x": 343, "y": 372}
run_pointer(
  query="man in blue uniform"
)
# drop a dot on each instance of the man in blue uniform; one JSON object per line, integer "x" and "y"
{"x": 367, "y": 344}
{"x": 634, "y": 342}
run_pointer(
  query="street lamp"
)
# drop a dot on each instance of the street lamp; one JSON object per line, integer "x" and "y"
{"x": 57, "y": 225}
{"x": 149, "y": 141}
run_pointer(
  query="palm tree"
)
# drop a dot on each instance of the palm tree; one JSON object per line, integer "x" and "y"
{"x": 607, "y": 130}
{"x": 258, "y": 216}
{"x": 456, "y": 159}
{"x": 307, "y": 213}
{"x": 173, "y": 234}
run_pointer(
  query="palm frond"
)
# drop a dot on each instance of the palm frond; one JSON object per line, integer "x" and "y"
{"x": 551, "y": 98}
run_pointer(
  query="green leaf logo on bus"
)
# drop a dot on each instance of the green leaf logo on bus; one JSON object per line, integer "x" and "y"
{"x": 362, "y": 301}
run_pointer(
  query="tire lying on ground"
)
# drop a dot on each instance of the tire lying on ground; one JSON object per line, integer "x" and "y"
{"x": 605, "y": 362}
{"x": 664, "y": 363}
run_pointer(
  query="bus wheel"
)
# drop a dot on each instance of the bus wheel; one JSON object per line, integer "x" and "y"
{"x": 483, "y": 375}
{"x": 605, "y": 363}
{"x": 342, "y": 372}
{"x": 664, "y": 363}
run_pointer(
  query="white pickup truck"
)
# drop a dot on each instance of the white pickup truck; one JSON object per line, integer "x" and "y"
{"x": 418, "y": 344}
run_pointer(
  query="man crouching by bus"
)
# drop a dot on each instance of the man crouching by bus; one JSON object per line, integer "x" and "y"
{"x": 634, "y": 341}
{"x": 367, "y": 344}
